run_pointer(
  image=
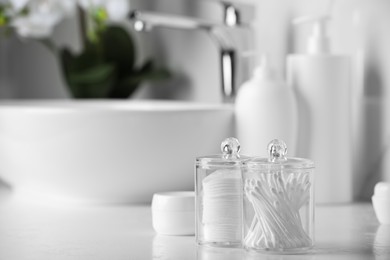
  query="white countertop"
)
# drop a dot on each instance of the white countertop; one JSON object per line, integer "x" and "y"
{"x": 32, "y": 232}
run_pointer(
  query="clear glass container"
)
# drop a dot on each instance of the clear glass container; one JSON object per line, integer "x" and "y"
{"x": 278, "y": 202}
{"x": 219, "y": 197}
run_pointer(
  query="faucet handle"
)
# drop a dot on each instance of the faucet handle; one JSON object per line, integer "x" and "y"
{"x": 231, "y": 14}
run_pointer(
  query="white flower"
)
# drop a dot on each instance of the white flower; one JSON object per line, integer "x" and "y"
{"x": 117, "y": 10}
{"x": 16, "y": 5}
{"x": 57, "y": 7}
{"x": 43, "y": 15}
{"x": 91, "y": 4}
{"x": 35, "y": 25}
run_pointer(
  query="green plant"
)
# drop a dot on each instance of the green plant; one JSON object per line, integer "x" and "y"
{"x": 107, "y": 65}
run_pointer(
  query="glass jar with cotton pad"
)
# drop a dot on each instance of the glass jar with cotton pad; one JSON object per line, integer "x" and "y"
{"x": 219, "y": 196}
{"x": 278, "y": 202}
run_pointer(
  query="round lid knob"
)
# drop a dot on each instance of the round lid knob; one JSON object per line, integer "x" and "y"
{"x": 230, "y": 148}
{"x": 230, "y": 156}
{"x": 277, "y": 150}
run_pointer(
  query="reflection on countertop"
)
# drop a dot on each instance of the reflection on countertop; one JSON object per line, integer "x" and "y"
{"x": 33, "y": 231}
{"x": 382, "y": 242}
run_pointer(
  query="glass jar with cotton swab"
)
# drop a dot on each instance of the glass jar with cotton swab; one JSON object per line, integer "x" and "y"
{"x": 278, "y": 202}
{"x": 219, "y": 197}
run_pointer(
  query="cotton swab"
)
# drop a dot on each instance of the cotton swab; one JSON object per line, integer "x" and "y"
{"x": 276, "y": 202}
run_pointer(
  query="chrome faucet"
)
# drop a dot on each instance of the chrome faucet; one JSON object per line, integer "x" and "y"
{"x": 146, "y": 21}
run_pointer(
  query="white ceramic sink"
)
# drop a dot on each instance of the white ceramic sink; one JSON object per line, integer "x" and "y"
{"x": 106, "y": 151}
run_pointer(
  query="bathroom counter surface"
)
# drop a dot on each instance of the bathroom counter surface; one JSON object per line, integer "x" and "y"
{"x": 27, "y": 231}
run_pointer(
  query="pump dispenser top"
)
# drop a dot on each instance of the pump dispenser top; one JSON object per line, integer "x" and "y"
{"x": 318, "y": 42}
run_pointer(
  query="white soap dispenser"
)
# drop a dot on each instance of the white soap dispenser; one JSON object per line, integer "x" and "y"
{"x": 322, "y": 82}
{"x": 265, "y": 110}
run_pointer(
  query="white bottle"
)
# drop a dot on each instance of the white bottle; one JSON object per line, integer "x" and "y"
{"x": 265, "y": 110}
{"x": 322, "y": 83}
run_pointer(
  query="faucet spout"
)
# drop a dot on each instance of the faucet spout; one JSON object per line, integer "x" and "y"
{"x": 169, "y": 21}
{"x": 146, "y": 21}
{"x": 228, "y": 75}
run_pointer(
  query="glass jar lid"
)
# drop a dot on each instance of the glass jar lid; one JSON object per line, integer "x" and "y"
{"x": 230, "y": 156}
{"x": 277, "y": 151}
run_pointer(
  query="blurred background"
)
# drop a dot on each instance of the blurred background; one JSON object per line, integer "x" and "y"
{"x": 358, "y": 28}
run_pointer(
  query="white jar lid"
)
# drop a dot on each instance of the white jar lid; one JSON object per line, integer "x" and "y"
{"x": 174, "y": 201}
{"x": 381, "y": 202}
{"x": 382, "y": 190}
